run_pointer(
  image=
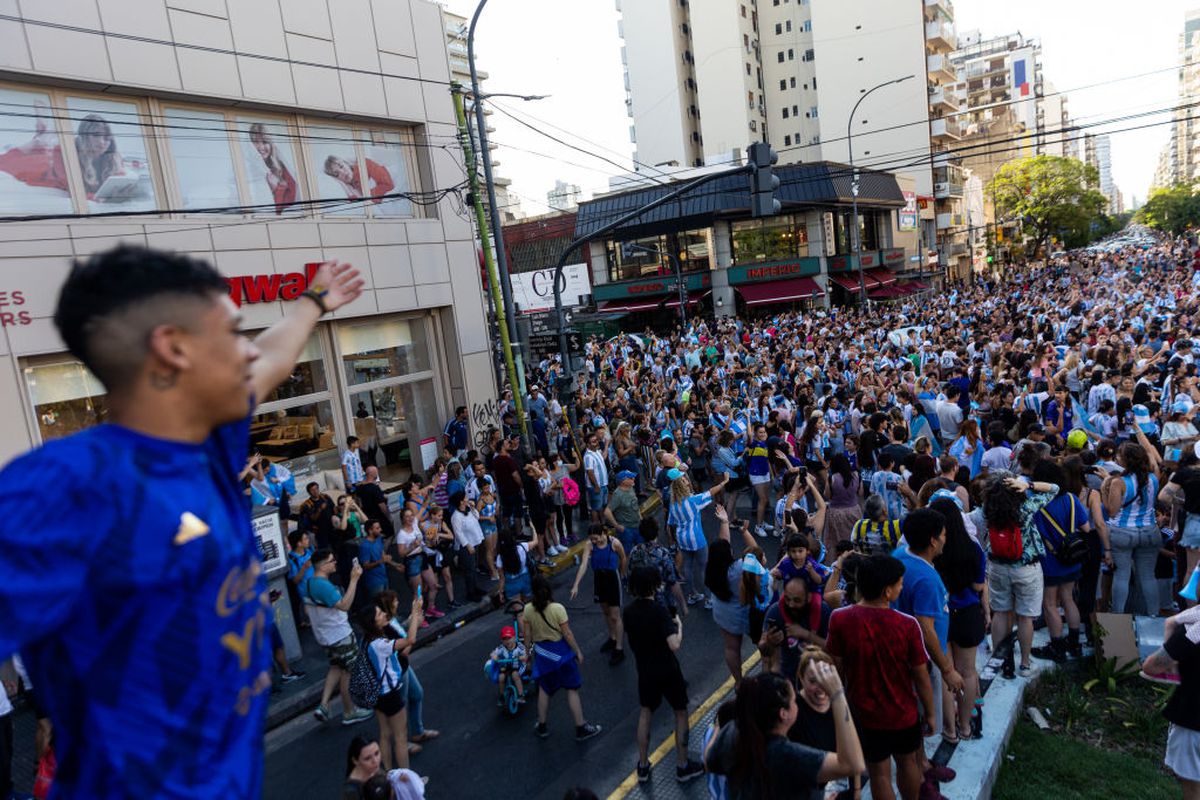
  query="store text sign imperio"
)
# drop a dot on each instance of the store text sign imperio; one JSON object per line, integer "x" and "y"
{"x": 272, "y": 287}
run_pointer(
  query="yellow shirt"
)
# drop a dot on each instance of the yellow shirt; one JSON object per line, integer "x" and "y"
{"x": 545, "y": 626}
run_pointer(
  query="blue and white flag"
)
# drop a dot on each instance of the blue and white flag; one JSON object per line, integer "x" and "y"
{"x": 920, "y": 427}
{"x": 1081, "y": 418}
{"x": 959, "y": 448}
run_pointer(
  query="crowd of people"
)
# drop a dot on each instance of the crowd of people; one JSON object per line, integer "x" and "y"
{"x": 892, "y": 489}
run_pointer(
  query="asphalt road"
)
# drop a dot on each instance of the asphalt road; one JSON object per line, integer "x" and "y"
{"x": 483, "y": 753}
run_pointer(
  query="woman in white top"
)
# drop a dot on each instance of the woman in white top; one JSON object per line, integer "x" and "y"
{"x": 381, "y": 649}
{"x": 408, "y": 550}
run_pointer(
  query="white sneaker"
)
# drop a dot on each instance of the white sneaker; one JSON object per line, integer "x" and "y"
{"x": 558, "y": 550}
{"x": 768, "y": 526}
{"x": 758, "y": 531}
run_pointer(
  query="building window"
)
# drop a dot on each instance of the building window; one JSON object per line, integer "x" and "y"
{"x": 812, "y": 112}
{"x": 780, "y": 54}
{"x": 791, "y": 55}
{"x": 380, "y": 350}
{"x": 806, "y": 27}
{"x": 202, "y": 159}
{"x": 795, "y": 111}
{"x": 814, "y": 83}
{"x": 33, "y": 176}
{"x": 783, "y": 85}
{"x": 778, "y": 28}
{"x": 110, "y": 151}
{"x": 792, "y": 83}
{"x": 785, "y": 113}
{"x": 356, "y": 164}
{"x": 789, "y": 25}
{"x": 745, "y": 40}
{"x": 743, "y": 11}
{"x": 748, "y": 70}
{"x": 774, "y": 239}
{"x": 787, "y": 141}
{"x": 868, "y": 224}
{"x": 269, "y": 162}
{"x": 65, "y": 396}
{"x": 808, "y": 55}
{"x": 649, "y": 258}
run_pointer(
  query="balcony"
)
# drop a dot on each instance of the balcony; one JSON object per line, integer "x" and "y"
{"x": 944, "y": 7}
{"x": 947, "y": 221}
{"x": 945, "y": 190}
{"x": 942, "y": 69}
{"x": 943, "y": 128}
{"x": 941, "y": 34}
{"x": 944, "y": 98}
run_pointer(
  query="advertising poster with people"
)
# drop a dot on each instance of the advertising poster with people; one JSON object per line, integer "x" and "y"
{"x": 110, "y": 150}
{"x": 269, "y": 160}
{"x": 33, "y": 177}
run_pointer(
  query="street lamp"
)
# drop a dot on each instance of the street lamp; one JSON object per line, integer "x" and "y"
{"x": 856, "y": 242}
{"x": 629, "y": 247}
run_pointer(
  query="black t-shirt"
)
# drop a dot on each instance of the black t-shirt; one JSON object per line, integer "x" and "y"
{"x": 792, "y": 768}
{"x": 867, "y": 444}
{"x": 373, "y": 503}
{"x": 1189, "y": 479}
{"x": 813, "y": 728}
{"x": 1183, "y": 709}
{"x": 647, "y": 624}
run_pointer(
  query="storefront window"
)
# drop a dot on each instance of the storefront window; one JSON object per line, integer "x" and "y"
{"x": 270, "y": 162}
{"x": 774, "y": 239}
{"x": 379, "y": 349}
{"x": 391, "y": 422}
{"x": 66, "y": 398}
{"x": 33, "y": 177}
{"x": 202, "y": 158}
{"x": 654, "y": 256}
{"x": 301, "y": 436}
{"x": 108, "y": 145}
{"x": 308, "y": 376}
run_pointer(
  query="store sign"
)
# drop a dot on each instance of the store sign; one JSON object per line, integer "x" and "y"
{"x": 246, "y": 289}
{"x": 12, "y": 299}
{"x": 268, "y": 534}
{"x": 693, "y": 281}
{"x": 892, "y": 258}
{"x": 908, "y": 214}
{"x": 755, "y": 273}
{"x": 869, "y": 260}
{"x": 534, "y": 291}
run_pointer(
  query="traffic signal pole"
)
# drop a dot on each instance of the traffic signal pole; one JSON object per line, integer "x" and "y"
{"x": 489, "y": 257}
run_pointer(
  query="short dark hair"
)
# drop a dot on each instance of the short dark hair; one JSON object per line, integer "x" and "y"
{"x": 921, "y": 526}
{"x": 952, "y": 391}
{"x": 648, "y": 529}
{"x": 459, "y": 410}
{"x": 295, "y": 536}
{"x": 310, "y": 485}
{"x": 351, "y": 440}
{"x": 95, "y": 318}
{"x": 644, "y": 581}
{"x": 321, "y": 556}
{"x": 876, "y": 573}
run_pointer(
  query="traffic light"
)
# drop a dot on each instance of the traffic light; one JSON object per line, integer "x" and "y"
{"x": 763, "y": 183}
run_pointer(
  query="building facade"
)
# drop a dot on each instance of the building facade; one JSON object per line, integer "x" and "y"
{"x": 264, "y": 138}
{"x": 1179, "y": 161}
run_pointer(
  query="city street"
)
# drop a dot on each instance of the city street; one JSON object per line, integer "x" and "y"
{"x": 483, "y": 753}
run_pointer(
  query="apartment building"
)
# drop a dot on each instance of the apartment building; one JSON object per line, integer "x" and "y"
{"x": 1179, "y": 161}
{"x": 264, "y": 138}
{"x": 460, "y": 71}
{"x": 705, "y": 78}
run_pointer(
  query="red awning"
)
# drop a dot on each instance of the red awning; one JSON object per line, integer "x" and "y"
{"x": 886, "y": 292}
{"x": 628, "y": 306}
{"x": 882, "y": 276}
{"x": 692, "y": 298}
{"x": 786, "y": 291}
{"x": 847, "y": 280}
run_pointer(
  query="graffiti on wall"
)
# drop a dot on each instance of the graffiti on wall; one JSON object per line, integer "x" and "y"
{"x": 484, "y": 416}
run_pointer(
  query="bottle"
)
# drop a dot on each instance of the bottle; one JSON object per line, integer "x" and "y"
{"x": 977, "y": 719}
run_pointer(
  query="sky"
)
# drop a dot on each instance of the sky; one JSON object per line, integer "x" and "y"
{"x": 570, "y": 50}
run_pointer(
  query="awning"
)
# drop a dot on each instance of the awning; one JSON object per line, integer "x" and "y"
{"x": 886, "y": 292}
{"x": 881, "y": 276}
{"x": 787, "y": 291}
{"x": 628, "y": 306}
{"x": 692, "y": 298}
{"x": 848, "y": 281}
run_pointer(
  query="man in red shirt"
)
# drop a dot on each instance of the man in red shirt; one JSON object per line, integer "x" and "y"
{"x": 881, "y": 655}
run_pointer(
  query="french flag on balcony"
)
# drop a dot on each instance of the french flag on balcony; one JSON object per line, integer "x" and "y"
{"x": 1021, "y": 77}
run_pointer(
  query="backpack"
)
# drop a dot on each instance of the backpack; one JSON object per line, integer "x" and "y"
{"x": 1070, "y": 549}
{"x": 364, "y": 683}
{"x": 570, "y": 490}
{"x": 1006, "y": 544}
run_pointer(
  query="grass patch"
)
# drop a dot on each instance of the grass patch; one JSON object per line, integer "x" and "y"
{"x": 1048, "y": 764}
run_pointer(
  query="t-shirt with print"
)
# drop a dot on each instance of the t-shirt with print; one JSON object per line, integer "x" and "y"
{"x": 164, "y": 600}
{"x": 878, "y": 648}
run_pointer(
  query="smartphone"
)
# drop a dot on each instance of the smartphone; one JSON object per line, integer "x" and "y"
{"x": 355, "y": 561}
{"x": 418, "y": 591}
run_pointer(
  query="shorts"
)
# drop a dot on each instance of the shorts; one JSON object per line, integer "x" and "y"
{"x": 607, "y": 587}
{"x": 758, "y": 480}
{"x": 881, "y": 745}
{"x": 1190, "y": 537}
{"x": 1183, "y": 752}
{"x": 342, "y": 654}
{"x": 1059, "y": 580}
{"x": 392, "y": 703}
{"x": 518, "y": 584}
{"x": 1015, "y": 587}
{"x": 413, "y": 565}
{"x": 967, "y": 626}
{"x": 597, "y": 499}
{"x": 653, "y": 689}
{"x": 433, "y": 561}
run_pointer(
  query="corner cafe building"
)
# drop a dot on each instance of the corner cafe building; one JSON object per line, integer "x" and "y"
{"x": 732, "y": 263}
{"x": 389, "y": 368}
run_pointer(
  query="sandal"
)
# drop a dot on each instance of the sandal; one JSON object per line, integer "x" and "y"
{"x": 426, "y": 736}
{"x": 413, "y": 748}
{"x": 948, "y": 738}
{"x": 967, "y": 735}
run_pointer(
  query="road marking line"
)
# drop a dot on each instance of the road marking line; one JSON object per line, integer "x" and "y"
{"x": 668, "y": 744}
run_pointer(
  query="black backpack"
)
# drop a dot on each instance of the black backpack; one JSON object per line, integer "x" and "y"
{"x": 1070, "y": 549}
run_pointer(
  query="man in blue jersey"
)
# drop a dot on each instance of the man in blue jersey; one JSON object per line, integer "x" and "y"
{"x": 148, "y": 638}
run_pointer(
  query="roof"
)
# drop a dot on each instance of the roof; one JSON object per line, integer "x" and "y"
{"x": 800, "y": 185}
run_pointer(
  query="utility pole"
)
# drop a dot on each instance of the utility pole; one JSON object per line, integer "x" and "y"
{"x": 497, "y": 228}
{"x": 489, "y": 258}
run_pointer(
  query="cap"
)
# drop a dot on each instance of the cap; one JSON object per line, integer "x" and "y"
{"x": 626, "y": 475}
{"x": 1037, "y": 427}
{"x": 1181, "y": 407}
{"x": 508, "y": 632}
{"x": 674, "y": 474}
{"x": 1077, "y": 439}
{"x": 1141, "y": 418}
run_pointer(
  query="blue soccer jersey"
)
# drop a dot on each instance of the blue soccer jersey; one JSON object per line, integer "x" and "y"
{"x": 133, "y": 588}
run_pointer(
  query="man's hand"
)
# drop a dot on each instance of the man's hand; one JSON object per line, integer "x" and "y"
{"x": 720, "y": 513}
{"x": 774, "y": 638}
{"x": 356, "y": 570}
{"x": 340, "y": 283}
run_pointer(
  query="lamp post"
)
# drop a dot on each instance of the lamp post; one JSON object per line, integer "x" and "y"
{"x": 856, "y": 242}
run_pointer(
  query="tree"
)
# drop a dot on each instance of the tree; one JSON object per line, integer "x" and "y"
{"x": 1172, "y": 210}
{"x": 1049, "y": 195}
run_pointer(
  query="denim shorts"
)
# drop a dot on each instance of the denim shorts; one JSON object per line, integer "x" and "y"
{"x": 1190, "y": 537}
{"x": 597, "y": 499}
